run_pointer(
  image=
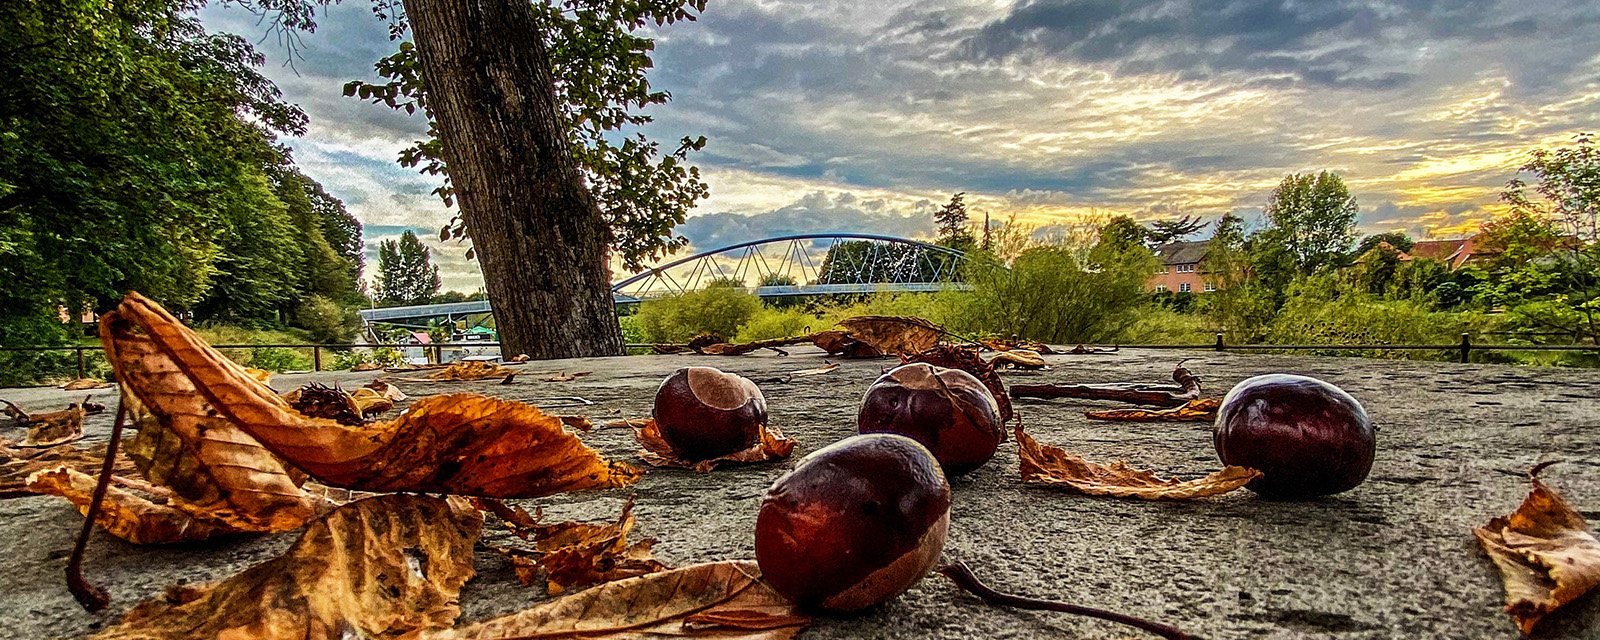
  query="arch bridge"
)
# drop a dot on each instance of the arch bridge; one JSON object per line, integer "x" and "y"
{"x": 809, "y": 264}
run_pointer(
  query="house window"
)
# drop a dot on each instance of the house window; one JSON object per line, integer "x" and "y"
{"x": 1183, "y": 287}
{"x": 1163, "y": 269}
{"x": 1185, "y": 268}
{"x": 1210, "y": 287}
{"x": 1161, "y": 287}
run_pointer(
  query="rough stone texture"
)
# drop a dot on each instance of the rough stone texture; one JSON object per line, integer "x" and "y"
{"x": 1393, "y": 558}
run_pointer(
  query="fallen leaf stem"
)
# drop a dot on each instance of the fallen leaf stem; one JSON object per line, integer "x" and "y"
{"x": 91, "y": 596}
{"x": 960, "y": 574}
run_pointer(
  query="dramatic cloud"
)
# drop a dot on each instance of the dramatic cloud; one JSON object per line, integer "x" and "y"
{"x": 851, "y": 116}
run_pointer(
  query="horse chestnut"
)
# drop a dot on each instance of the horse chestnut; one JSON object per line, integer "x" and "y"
{"x": 705, "y": 413}
{"x": 947, "y": 410}
{"x": 854, "y": 524}
{"x": 1307, "y": 437}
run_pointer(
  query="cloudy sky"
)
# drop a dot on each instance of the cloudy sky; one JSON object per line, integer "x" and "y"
{"x": 865, "y": 116}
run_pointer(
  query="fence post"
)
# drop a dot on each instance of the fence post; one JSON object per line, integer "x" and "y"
{"x": 316, "y": 357}
{"x": 1219, "y": 342}
{"x": 81, "y": 370}
{"x": 1466, "y": 346}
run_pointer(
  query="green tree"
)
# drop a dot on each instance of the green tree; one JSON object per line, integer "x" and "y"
{"x": 1317, "y": 218}
{"x": 406, "y": 275}
{"x": 1569, "y": 181}
{"x": 1397, "y": 239}
{"x": 131, "y": 143}
{"x": 1164, "y": 231}
{"x": 1240, "y": 307}
{"x": 953, "y": 222}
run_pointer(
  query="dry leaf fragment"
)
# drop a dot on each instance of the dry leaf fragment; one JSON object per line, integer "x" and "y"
{"x": 470, "y": 370}
{"x": 123, "y": 513}
{"x": 378, "y": 567}
{"x": 1546, "y": 554}
{"x": 53, "y": 428}
{"x": 17, "y": 464}
{"x": 460, "y": 444}
{"x": 1158, "y": 395}
{"x": 577, "y": 554}
{"x": 1000, "y": 344}
{"x": 1083, "y": 350}
{"x": 1052, "y": 466}
{"x": 1202, "y": 410}
{"x": 825, "y": 368}
{"x": 83, "y": 384}
{"x": 1018, "y": 358}
{"x": 658, "y": 452}
{"x": 896, "y": 335}
{"x": 318, "y": 400}
{"x": 716, "y": 600}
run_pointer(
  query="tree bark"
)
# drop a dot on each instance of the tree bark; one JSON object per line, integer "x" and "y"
{"x": 534, "y": 224}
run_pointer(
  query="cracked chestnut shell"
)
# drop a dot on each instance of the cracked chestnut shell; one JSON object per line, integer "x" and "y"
{"x": 706, "y": 413}
{"x": 947, "y": 410}
{"x": 1307, "y": 437}
{"x": 855, "y": 523}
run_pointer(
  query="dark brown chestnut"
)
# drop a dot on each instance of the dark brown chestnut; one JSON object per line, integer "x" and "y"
{"x": 1307, "y": 437}
{"x": 705, "y": 413}
{"x": 855, "y": 523}
{"x": 947, "y": 410}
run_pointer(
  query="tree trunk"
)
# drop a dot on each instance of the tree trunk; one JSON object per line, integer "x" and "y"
{"x": 534, "y": 225}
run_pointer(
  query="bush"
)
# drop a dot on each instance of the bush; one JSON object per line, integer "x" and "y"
{"x": 770, "y": 323}
{"x": 28, "y": 368}
{"x": 381, "y": 356}
{"x": 277, "y": 359}
{"x": 1054, "y": 294}
{"x": 326, "y": 321}
{"x": 675, "y": 319}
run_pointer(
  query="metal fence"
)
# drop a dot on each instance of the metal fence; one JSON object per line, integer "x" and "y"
{"x": 1462, "y": 349}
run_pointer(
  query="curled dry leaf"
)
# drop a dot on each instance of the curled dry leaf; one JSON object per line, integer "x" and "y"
{"x": 1043, "y": 464}
{"x": 895, "y": 335}
{"x": 378, "y": 567}
{"x": 317, "y": 400}
{"x": 470, "y": 370}
{"x": 1085, "y": 350}
{"x": 1202, "y": 410}
{"x": 577, "y": 554}
{"x": 728, "y": 349}
{"x": 1018, "y": 358}
{"x": 1000, "y": 344}
{"x": 716, "y": 600}
{"x": 967, "y": 359}
{"x": 216, "y": 470}
{"x": 1546, "y": 554}
{"x": 124, "y": 513}
{"x": 17, "y": 464}
{"x": 56, "y": 427}
{"x": 667, "y": 349}
{"x": 83, "y": 384}
{"x": 460, "y": 444}
{"x": 825, "y": 368}
{"x": 659, "y": 453}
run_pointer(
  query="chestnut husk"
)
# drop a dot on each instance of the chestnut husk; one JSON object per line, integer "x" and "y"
{"x": 855, "y": 523}
{"x": 1307, "y": 437}
{"x": 705, "y": 413}
{"x": 949, "y": 411}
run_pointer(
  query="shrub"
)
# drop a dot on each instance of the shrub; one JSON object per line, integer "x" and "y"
{"x": 770, "y": 323}
{"x": 1055, "y": 294}
{"x": 326, "y": 321}
{"x": 675, "y": 319}
{"x": 277, "y": 359}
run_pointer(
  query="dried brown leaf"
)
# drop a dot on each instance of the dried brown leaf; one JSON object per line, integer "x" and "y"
{"x": 999, "y": 344}
{"x": 1202, "y": 410}
{"x": 1052, "y": 466}
{"x": 564, "y": 377}
{"x": 577, "y": 554}
{"x": 184, "y": 442}
{"x": 1546, "y": 554}
{"x": 658, "y": 452}
{"x": 56, "y": 427}
{"x": 831, "y": 366}
{"x": 1018, "y": 358}
{"x": 470, "y": 370}
{"x": 17, "y": 464}
{"x": 83, "y": 384}
{"x": 123, "y": 513}
{"x": 716, "y": 600}
{"x": 895, "y": 335}
{"x": 374, "y": 568}
{"x": 460, "y": 444}
{"x": 317, "y": 400}
{"x": 1084, "y": 350}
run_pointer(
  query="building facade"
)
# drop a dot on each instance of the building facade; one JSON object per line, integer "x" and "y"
{"x": 1180, "y": 268}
